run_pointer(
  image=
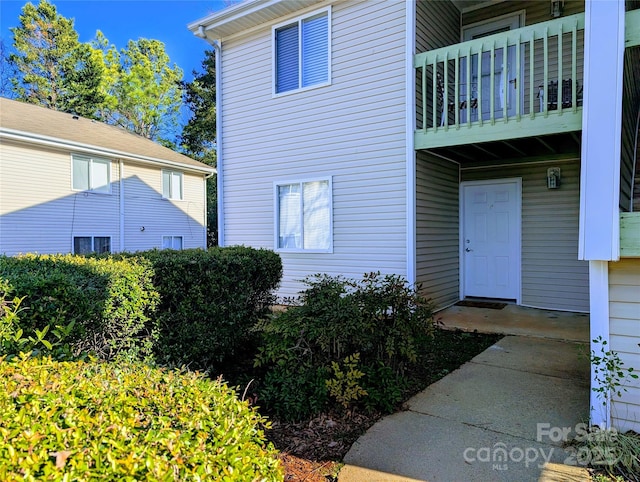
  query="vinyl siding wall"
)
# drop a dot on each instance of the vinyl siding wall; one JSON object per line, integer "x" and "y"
{"x": 144, "y": 206}
{"x": 39, "y": 212}
{"x": 437, "y": 230}
{"x": 437, "y": 180}
{"x": 624, "y": 308}
{"x": 352, "y": 131}
{"x": 437, "y": 25}
{"x": 552, "y": 276}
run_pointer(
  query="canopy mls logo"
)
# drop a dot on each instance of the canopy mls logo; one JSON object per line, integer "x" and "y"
{"x": 579, "y": 445}
{"x": 500, "y": 455}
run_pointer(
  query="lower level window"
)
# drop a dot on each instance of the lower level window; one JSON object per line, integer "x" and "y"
{"x": 91, "y": 244}
{"x": 171, "y": 242}
{"x": 304, "y": 216}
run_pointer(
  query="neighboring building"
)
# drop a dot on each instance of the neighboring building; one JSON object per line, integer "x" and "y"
{"x": 70, "y": 184}
{"x": 479, "y": 148}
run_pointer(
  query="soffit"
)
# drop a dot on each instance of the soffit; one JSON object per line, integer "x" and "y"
{"x": 247, "y": 15}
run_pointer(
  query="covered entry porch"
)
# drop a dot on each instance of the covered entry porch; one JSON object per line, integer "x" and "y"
{"x": 462, "y": 240}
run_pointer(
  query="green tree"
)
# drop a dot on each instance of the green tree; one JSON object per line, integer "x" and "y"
{"x": 143, "y": 91}
{"x": 199, "y": 133}
{"x": 7, "y": 72}
{"x": 54, "y": 69}
{"x": 198, "y": 137}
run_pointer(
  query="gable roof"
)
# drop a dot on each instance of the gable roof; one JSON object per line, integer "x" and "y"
{"x": 39, "y": 125}
{"x": 246, "y": 15}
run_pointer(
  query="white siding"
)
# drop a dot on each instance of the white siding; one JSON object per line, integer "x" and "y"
{"x": 624, "y": 308}
{"x": 145, "y": 207}
{"x": 39, "y": 212}
{"x": 552, "y": 276}
{"x": 352, "y": 130}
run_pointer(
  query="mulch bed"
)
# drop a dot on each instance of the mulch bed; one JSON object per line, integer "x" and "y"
{"x": 312, "y": 450}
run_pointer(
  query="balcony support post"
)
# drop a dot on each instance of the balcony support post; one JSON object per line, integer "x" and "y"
{"x": 599, "y": 235}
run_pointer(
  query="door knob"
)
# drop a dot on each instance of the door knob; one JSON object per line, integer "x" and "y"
{"x": 468, "y": 250}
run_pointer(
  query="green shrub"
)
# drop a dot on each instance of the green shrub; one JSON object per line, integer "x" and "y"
{"x": 294, "y": 391}
{"x": 14, "y": 340}
{"x": 209, "y": 300}
{"x": 345, "y": 384}
{"x": 101, "y": 421}
{"x": 380, "y": 318}
{"x": 109, "y": 303}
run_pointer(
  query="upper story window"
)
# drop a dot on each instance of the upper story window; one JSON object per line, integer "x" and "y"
{"x": 89, "y": 174}
{"x": 172, "y": 185}
{"x": 302, "y": 53}
{"x": 303, "y": 216}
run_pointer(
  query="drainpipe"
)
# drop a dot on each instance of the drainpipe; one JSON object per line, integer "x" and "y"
{"x": 219, "y": 164}
{"x": 121, "y": 173}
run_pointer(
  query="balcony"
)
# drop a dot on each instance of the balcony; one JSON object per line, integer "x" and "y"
{"x": 525, "y": 82}
{"x": 630, "y": 235}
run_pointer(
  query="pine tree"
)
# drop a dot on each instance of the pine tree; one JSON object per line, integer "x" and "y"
{"x": 143, "y": 91}
{"x": 54, "y": 69}
{"x": 198, "y": 135}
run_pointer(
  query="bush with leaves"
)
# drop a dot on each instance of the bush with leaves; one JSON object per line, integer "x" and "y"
{"x": 102, "y": 306}
{"x": 14, "y": 340}
{"x": 105, "y": 421}
{"x": 379, "y": 318}
{"x": 209, "y": 301}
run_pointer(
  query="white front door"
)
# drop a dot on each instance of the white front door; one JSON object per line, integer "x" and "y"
{"x": 491, "y": 238}
{"x": 504, "y": 86}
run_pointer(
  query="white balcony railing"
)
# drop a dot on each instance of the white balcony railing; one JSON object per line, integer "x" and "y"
{"x": 516, "y": 83}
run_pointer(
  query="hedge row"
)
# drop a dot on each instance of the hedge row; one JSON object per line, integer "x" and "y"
{"x": 210, "y": 300}
{"x": 111, "y": 302}
{"x": 104, "y": 421}
{"x": 190, "y": 307}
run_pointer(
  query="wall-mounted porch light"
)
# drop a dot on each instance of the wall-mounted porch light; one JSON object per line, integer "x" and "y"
{"x": 553, "y": 178}
{"x": 557, "y": 7}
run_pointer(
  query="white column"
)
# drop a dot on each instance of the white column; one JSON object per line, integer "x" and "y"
{"x": 599, "y": 237}
{"x": 599, "y": 315}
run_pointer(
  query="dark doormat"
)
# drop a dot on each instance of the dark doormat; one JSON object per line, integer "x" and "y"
{"x": 492, "y": 305}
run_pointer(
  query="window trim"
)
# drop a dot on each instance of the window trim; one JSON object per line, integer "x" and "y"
{"x": 276, "y": 215}
{"x": 91, "y": 160}
{"x": 92, "y": 236}
{"x": 172, "y": 236}
{"x": 172, "y": 171}
{"x": 298, "y": 20}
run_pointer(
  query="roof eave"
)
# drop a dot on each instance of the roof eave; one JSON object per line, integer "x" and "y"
{"x": 246, "y": 15}
{"x": 87, "y": 148}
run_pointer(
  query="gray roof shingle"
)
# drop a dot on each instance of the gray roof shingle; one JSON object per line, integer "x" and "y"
{"x": 32, "y": 121}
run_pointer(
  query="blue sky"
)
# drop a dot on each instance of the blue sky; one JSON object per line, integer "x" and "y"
{"x": 121, "y": 20}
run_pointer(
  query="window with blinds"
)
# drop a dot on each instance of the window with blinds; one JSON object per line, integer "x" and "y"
{"x": 302, "y": 53}
{"x": 303, "y": 212}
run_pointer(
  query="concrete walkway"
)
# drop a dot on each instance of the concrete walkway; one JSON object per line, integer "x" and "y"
{"x": 499, "y": 417}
